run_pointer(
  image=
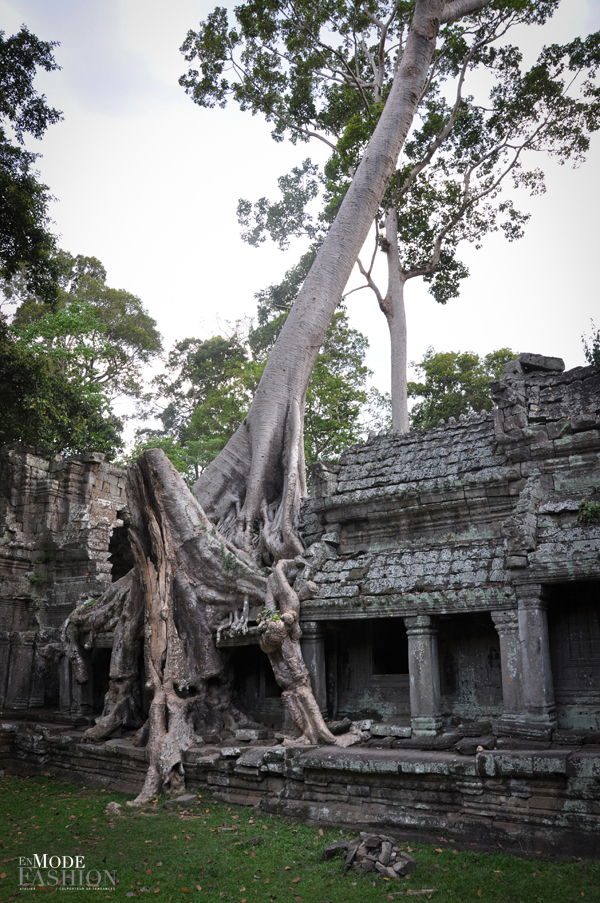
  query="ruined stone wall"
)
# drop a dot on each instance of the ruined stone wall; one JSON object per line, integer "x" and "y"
{"x": 477, "y": 519}
{"x": 525, "y": 801}
{"x": 57, "y": 519}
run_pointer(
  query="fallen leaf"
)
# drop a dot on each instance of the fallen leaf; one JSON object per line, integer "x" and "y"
{"x": 184, "y": 890}
{"x": 288, "y": 868}
{"x": 295, "y": 880}
{"x": 198, "y": 887}
{"x": 320, "y": 832}
{"x": 159, "y": 863}
{"x": 148, "y": 871}
{"x": 264, "y": 827}
{"x": 252, "y": 853}
{"x": 479, "y": 892}
{"x": 266, "y": 880}
{"x": 438, "y": 850}
{"x": 3, "y": 875}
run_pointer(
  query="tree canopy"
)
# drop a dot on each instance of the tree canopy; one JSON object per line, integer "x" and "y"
{"x": 25, "y": 237}
{"x": 95, "y": 333}
{"x": 455, "y": 383}
{"x": 44, "y": 406}
{"x": 325, "y": 70}
{"x": 62, "y": 366}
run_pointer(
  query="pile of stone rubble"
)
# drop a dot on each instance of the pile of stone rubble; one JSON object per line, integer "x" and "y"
{"x": 374, "y": 852}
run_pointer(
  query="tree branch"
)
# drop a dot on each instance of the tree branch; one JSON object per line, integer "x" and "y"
{"x": 456, "y": 9}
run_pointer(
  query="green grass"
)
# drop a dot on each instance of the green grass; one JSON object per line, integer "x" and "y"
{"x": 202, "y": 853}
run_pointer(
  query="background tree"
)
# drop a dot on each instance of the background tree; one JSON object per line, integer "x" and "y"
{"x": 25, "y": 239}
{"x": 325, "y": 71}
{"x": 63, "y": 366}
{"x": 44, "y": 406}
{"x": 96, "y": 333}
{"x": 455, "y": 383}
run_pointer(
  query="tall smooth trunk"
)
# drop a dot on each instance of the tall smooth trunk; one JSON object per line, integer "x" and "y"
{"x": 395, "y": 314}
{"x": 291, "y": 361}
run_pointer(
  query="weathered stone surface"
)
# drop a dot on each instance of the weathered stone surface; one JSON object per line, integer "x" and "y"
{"x": 247, "y": 735}
{"x": 470, "y": 745}
{"x": 527, "y": 800}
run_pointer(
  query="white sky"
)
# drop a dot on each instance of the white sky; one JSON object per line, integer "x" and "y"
{"x": 148, "y": 182}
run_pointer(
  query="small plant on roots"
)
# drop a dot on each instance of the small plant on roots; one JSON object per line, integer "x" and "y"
{"x": 269, "y": 614}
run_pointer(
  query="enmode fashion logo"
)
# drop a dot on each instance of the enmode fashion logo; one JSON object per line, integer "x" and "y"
{"x": 63, "y": 872}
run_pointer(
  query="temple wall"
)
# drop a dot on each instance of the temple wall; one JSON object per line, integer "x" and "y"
{"x": 470, "y": 533}
{"x": 57, "y": 520}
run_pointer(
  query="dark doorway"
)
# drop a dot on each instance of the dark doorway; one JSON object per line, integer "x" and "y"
{"x": 574, "y": 633}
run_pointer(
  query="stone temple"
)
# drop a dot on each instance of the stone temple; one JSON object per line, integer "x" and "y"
{"x": 457, "y": 623}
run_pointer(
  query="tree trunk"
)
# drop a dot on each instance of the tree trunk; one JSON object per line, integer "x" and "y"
{"x": 280, "y": 635}
{"x": 191, "y": 579}
{"x": 395, "y": 315}
{"x": 248, "y": 478}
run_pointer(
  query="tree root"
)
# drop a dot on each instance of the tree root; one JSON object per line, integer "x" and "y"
{"x": 189, "y": 577}
{"x": 280, "y": 633}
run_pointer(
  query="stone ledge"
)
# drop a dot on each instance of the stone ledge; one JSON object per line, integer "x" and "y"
{"x": 529, "y": 799}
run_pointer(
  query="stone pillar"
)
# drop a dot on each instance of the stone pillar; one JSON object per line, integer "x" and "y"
{"x": 38, "y": 680}
{"x": 82, "y": 695}
{"x": 4, "y": 659}
{"x": 538, "y": 689}
{"x": 313, "y": 652}
{"x": 64, "y": 685}
{"x": 507, "y": 625}
{"x": 19, "y": 670}
{"x": 424, "y": 672}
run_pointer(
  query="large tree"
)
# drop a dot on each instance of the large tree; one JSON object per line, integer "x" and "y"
{"x": 94, "y": 333}
{"x": 200, "y": 559}
{"x": 62, "y": 366}
{"x": 454, "y": 383}
{"x": 25, "y": 237}
{"x": 45, "y": 406}
{"x": 327, "y": 76}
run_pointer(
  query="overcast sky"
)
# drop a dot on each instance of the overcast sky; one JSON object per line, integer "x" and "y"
{"x": 148, "y": 182}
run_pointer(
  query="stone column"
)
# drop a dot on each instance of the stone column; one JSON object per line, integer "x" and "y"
{"x": 19, "y": 670}
{"x": 424, "y": 673}
{"x": 4, "y": 659}
{"x": 538, "y": 689}
{"x": 38, "y": 680}
{"x": 82, "y": 695}
{"x": 64, "y": 685}
{"x": 313, "y": 652}
{"x": 507, "y": 625}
